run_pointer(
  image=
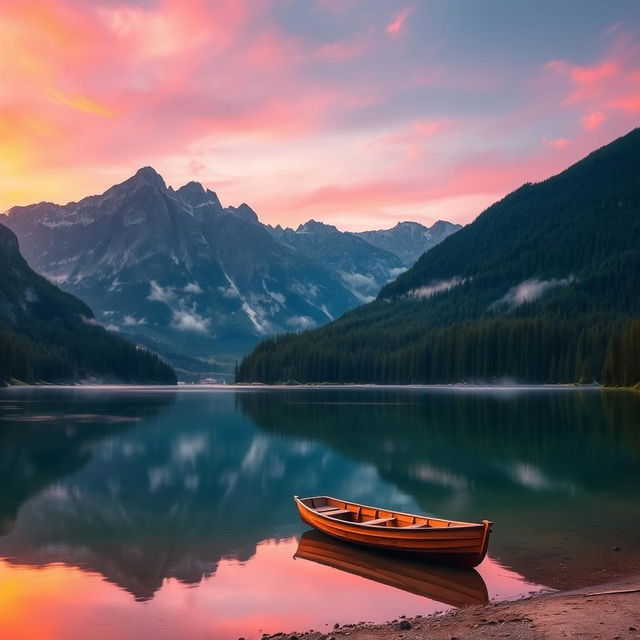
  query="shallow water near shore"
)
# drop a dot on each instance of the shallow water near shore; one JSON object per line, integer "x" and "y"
{"x": 163, "y": 513}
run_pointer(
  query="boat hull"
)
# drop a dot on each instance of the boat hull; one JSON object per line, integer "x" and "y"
{"x": 463, "y": 546}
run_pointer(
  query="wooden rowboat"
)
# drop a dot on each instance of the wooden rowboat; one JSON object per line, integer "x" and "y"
{"x": 450, "y": 585}
{"x": 461, "y": 543}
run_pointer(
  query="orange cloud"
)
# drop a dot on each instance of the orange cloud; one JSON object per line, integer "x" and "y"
{"x": 81, "y": 103}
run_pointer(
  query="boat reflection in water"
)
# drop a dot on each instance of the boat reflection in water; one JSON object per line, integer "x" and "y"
{"x": 452, "y": 586}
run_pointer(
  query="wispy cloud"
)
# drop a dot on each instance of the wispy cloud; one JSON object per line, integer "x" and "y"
{"x": 433, "y": 288}
{"x": 184, "y": 315}
{"x": 397, "y": 25}
{"x": 81, "y": 103}
{"x": 530, "y": 291}
{"x": 591, "y": 121}
{"x": 189, "y": 321}
{"x": 556, "y": 143}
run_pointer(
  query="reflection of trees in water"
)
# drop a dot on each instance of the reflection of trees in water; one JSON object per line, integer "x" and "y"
{"x": 563, "y": 433}
{"x": 622, "y": 408}
{"x": 545, "y": 466}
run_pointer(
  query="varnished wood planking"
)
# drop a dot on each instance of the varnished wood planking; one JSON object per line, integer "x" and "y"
{"x": 462, "y": 543}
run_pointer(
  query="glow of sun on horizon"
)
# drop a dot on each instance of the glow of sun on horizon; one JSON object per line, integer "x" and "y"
{"x": 361, "y": 114}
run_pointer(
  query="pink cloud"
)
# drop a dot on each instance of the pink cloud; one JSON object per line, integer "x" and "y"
{"x": 603, "y": 86}
{"x": 626, "y": 103}
{"x": 491, "y": 173}
{"x": 428, "y": 128}
{"x": 593, "y": 120}
{"x": 397, "y": 25}
{"x": 411, "y": 142}
{"x": 557, "y": 143}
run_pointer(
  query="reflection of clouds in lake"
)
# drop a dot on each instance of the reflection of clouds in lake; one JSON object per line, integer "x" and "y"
{"x": 254, "y": 458}
{"x": 532, "y": 477}
{"x": 57, "y": 492}
{"x": 432, "y": 475}
{"x": 301, "y": 448}
{"x": 189, "y": 448}
{"x": 192, "y": 482}
{"x": 158, "y": 477}
{"x": 358, "y": 484}
{"x": 130, "y": 449}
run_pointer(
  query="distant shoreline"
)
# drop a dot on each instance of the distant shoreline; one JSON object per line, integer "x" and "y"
{"x": 325, "y": 385}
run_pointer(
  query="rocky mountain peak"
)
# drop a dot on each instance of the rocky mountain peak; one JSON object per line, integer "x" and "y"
{"x": 194, "y": 194}
{"x": 244, "y": 212}
{"x": 408, "y": 225}
{"x": 148, "y": 176}
{"x": 313, "y": 226}
{"x": 442, "y": 224}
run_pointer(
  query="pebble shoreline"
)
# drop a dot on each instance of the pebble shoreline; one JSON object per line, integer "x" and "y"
{"x": 589, "y": 614}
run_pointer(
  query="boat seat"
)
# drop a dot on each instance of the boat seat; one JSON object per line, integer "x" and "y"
{"x": 323, "y": 509}
{"x": 336, "y": 512}
{"x": 379, "y": 521}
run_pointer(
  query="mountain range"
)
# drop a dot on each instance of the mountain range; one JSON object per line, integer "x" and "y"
{"x": 199, "y": 283}
{"x": 409, "y": 240}
{"x": 541, "y": 287}
{"x": 49, "y": 335}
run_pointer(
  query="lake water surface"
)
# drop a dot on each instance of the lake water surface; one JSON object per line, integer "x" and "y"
{"x": 166, "y": 513}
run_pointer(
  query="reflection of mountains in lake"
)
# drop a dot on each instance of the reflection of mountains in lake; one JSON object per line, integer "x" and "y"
{"x": 452, "y": 586}
{"x": 543, "y": 465}
{"x": 169, "y": 498}
{"x": 141, "y": 487}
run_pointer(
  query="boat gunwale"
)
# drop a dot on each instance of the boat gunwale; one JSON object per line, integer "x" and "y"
{"x": 460, "y": 525}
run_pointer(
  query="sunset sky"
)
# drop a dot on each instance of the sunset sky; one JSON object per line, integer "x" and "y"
{"x": 355, "y": 112}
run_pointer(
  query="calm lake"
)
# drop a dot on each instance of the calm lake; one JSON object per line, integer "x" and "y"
{"x": 165, "y": 513}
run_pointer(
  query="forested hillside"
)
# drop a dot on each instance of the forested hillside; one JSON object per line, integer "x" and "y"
{"x": 49, "y": 335}
{"x": 537, "y": 289}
